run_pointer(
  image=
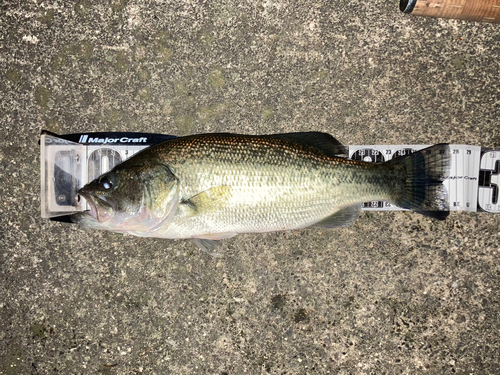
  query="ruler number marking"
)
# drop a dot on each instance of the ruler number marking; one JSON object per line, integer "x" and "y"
{"x": 489, "y": 182}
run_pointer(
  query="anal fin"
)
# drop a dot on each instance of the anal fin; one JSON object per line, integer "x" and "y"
{"x": 342, "y": 218}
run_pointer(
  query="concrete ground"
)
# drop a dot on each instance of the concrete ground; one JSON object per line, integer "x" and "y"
{"x": 396, "y": 293}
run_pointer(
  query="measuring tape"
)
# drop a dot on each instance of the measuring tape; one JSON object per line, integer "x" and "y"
{"x": 68, "y": 162}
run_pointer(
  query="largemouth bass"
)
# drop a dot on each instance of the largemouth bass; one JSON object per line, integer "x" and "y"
{"x": 214, "y": 186}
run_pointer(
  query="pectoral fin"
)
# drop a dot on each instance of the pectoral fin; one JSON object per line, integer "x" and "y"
{"x": 209, "y": 200}
{"x": 342, "y": 218}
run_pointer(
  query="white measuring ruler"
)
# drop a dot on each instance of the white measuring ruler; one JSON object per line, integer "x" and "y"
{"x": 69, "y": 162}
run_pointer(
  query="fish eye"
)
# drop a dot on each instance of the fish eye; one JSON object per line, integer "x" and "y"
{"x": 106, "y": 183}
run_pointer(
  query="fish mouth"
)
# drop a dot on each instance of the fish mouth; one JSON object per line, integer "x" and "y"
{"x": 100, "y": 210}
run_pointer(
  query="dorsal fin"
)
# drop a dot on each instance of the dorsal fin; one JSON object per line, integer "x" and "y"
{"x": 324, "y": 142}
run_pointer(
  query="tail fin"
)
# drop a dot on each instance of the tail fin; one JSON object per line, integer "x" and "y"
{"x": 422, "y": 174}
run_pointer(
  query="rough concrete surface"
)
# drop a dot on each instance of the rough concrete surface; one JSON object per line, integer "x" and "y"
{"x": 396, "y": 293}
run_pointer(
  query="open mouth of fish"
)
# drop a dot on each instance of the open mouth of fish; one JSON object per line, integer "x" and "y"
{"x": 100, "y": 210}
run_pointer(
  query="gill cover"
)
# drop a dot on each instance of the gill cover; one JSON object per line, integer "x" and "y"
{"x": 160, "y": 195}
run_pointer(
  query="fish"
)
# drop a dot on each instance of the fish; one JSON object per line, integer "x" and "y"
{"x": 210, "y": 187}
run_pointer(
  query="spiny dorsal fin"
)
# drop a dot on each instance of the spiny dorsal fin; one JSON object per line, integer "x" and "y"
{"x": 324, "y": 142}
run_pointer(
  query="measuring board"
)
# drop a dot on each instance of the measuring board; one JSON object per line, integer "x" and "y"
{"x": 68, "y": 162}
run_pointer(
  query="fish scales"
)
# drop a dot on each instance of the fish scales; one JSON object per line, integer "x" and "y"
{"x": 275, "y": 185}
